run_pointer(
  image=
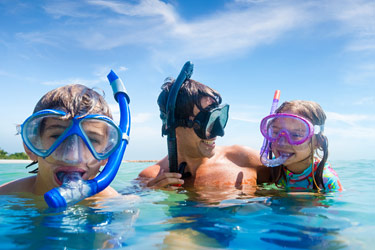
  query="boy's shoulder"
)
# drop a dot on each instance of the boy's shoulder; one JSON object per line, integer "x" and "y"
{"x": 21, "y": 185}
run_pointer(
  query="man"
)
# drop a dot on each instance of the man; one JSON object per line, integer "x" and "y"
{"x": 199, "y": 119}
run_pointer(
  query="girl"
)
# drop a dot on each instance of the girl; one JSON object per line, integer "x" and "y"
{"x": 295, "y": 133}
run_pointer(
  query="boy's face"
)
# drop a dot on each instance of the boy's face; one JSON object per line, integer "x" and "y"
{"x": 72, "y": 155}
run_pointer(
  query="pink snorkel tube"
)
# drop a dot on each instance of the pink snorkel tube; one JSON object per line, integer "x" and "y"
{"x": 266, "y": 154}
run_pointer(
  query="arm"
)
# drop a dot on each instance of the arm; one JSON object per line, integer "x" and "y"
{"x": 158, "y": 176}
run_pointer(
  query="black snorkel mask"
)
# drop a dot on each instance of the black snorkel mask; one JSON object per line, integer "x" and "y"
{"x": 208, "y": 123}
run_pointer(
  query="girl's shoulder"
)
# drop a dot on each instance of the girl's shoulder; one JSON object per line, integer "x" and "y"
{"x": 331, "y": 179}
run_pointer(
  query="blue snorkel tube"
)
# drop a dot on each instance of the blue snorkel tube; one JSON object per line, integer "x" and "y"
{"x": 185, "y": 74}
{"x": 266, "y": 154}
{"x": 76, "y": 189}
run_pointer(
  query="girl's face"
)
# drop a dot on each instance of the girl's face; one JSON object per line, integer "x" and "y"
{"x": 299, "y": 156}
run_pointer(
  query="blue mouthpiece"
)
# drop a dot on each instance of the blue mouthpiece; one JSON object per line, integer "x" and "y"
{"x": 73, "y": 189}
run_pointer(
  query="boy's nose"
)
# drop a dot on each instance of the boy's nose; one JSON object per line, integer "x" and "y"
{"x": 71, "y": 150}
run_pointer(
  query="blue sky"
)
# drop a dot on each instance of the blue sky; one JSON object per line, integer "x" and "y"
{"x": 246, "y": 49}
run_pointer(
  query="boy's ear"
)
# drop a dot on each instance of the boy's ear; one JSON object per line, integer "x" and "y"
{"x": 31, "y": 155}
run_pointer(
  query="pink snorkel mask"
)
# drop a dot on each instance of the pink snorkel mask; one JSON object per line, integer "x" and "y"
{"x": 294, "y": 128}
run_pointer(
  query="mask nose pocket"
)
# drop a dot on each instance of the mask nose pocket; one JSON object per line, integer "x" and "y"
{"x": 70, "y": 150}
{"x": 282, "y": 138}
{"x": 217, "y": 128}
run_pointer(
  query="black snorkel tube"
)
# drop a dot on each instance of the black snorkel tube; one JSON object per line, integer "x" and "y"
{"x": 185, "y": 74}
{"x": 75, "y": 189}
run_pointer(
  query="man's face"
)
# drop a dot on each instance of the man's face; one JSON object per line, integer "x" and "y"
{"x": 190, "y": 142}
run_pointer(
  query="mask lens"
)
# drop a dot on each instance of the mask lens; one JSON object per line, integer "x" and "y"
{"x": 40, "y": 132}
{"x": 292, "y": 128}
{"x": 45, "y": 132}
{"x": 217, "y": 121}
{"x": 104, "y": 136}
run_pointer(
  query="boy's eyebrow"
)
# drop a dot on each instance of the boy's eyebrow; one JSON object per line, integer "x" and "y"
{"x": 94, "y": 133}
{"x": 54, "y": 126}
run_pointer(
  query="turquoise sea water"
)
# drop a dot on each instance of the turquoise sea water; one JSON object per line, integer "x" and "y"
{"x": 154, "y": 219}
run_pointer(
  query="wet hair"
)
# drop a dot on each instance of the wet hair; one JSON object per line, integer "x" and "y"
{"x": 313, "y": 112}
{"x": 74, "y": 100}
{"x": 189, "y": 95}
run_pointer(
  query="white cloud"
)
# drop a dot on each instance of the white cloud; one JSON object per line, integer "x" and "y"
{"x": 142, "y": 117}
{"x": 45, "y": 38}
{"x": 366, "y": 101}
{"x": 358, "y": 19}
{"x": 362, "y": 74}
{"x": 144, "y": 8}
{"x": 348, "y": 118}
{"x": 58, "y": 9}
{"x": 123, "y": 68}
{"x": 153, "y": 22}
{"x": 244, "y": 119}
{"x": 231, "y": 31}
{"x": 71, "y": 81}
{"x": 238, "y": 26}
{"x": 249, "y": 113}
{"x": 357, "y": 126}
{"x": 357, "y": 132}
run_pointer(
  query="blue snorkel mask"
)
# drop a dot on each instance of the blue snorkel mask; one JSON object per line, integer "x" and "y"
{"x": 80, "y": 139}
{"x": 88, "y": 139}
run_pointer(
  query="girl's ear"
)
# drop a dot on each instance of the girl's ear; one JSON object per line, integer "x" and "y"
{"x": 31, "y": 155}
{"x": 317, "y": 141}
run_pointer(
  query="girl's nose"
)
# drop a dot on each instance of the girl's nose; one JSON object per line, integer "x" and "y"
{"x": 283, "y": 138}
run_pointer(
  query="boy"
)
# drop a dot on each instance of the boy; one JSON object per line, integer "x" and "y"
{"x": 70, "y": 132}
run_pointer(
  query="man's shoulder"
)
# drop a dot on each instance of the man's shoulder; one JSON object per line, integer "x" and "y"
{"x": 241, "y": 152}
{"x": 238, "y": 148}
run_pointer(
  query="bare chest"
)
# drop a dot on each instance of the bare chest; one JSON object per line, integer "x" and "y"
{"x": 223, "y": 175}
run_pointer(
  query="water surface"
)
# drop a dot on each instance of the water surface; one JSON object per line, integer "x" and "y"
{"x": 143, "y": 218}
